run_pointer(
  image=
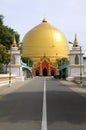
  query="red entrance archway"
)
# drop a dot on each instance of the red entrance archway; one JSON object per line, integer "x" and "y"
{"x": 45, "y": 67}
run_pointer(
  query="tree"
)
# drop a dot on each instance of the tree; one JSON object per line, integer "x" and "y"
{"x": 62, "y": 61}
{"x": 4, "y": 57}
{"x": 1, "y": 19}
{"x": 27, "y": 60}
{"x": 7, "y": 34}
{"x": 62, "y": 72}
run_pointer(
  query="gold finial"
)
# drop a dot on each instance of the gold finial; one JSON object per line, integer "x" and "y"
{"x": 75, "y": 42}
{"x": 44, "y": 20}
{"x": 14, "y": 42}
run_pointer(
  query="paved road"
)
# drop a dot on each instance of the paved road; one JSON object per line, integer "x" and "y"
{"x": 66, "y": 110}
{"x": 43, "y": 104}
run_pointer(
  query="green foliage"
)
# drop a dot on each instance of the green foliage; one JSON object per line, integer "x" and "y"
{"x": 27, "y": 60}
{"x": 62, "y": 61}
{"x": 1, "y": 68}
{"x": 1, "y": 19}
{"x": 4, "y": 59}
{"x": 7, "y": 34}
{"x": 4, "y": 56}
{"x": 84, "y": 57}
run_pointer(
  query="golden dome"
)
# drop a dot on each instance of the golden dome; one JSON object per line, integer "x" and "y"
{"x": 45, "y": 39}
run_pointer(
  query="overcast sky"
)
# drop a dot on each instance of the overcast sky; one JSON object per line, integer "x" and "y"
{"x": 67, "y": 15}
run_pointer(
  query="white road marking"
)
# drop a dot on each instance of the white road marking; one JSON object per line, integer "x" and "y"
{"x": 44, "y": 112}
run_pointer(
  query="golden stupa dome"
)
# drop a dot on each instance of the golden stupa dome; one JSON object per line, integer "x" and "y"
{"x": 45, "y": 39}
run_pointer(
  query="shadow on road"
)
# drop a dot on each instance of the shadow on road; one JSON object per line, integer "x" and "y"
{"x": 66, "y": 107}
{"x": 63, "y": 105}
{"x": 18, "y": 107}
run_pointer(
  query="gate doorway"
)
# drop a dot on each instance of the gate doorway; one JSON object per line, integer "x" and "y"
{"x": 44, "y": 72}
{"x": 37, "y": 73}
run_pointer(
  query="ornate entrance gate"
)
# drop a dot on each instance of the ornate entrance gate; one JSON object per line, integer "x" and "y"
{"x": 44, "y": 67}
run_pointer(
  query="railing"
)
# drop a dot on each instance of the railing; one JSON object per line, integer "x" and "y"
{"x": 64, "y": 66}
{"x": 4, "y": 79}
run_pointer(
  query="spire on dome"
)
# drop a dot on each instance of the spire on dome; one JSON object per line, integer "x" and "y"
{"x": 75, "y": 42}
{"x": 14, "y": 42}
{"x": 44, "y": 20}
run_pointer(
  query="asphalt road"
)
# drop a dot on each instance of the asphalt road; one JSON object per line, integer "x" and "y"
{"x": 43, "y": 104}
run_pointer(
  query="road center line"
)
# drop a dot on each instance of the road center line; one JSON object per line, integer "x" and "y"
{"x": 44, "y": 111}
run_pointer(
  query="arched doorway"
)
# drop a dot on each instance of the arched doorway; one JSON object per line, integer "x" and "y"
{"x": 52, "y": 73}
{"x": 37, "y": 72}
{"x": 44, "y": 72}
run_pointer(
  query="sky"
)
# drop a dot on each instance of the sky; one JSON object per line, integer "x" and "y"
{"x": 69, "y": 16}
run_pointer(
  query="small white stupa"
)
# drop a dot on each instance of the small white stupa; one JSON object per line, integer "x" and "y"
{"x": 76, "y": 66}
{"x": 15, "y": 67}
